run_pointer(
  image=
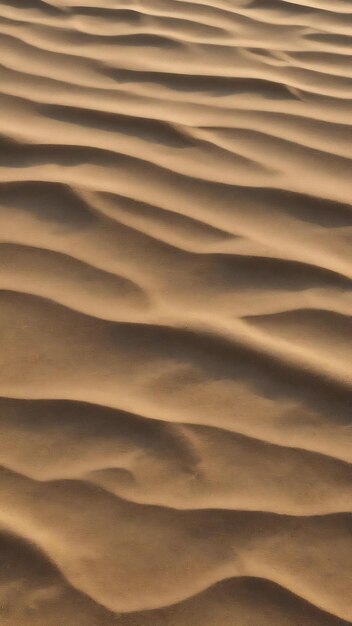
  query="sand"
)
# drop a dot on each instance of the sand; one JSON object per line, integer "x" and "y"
{"x": 175, "y": 313}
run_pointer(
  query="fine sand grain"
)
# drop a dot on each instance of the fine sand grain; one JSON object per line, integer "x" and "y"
{"x": 175, "y": 312}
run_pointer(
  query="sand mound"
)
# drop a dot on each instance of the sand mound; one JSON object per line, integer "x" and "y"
{"x": 175, "y": 302}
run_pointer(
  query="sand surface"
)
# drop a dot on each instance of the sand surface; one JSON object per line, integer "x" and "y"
{"x": 175, "y": 300}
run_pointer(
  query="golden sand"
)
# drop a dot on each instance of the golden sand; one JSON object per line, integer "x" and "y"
{"x": 175, "y": 300}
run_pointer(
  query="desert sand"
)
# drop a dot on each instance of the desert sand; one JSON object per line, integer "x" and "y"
{"x": 175, "y": 313}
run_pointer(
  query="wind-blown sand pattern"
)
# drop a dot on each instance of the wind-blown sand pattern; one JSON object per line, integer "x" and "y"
{"x": 175, "y": 267}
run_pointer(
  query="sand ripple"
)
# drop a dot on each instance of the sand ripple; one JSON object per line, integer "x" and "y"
{"x": 175, "y": 301}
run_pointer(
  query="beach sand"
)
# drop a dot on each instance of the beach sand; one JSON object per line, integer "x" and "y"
{"x": 175, "y": 313}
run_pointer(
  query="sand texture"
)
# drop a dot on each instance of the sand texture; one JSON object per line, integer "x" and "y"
{"x": 175, "y": 312}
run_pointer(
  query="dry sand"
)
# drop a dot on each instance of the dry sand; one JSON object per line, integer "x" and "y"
{"x": 175, "y": 274}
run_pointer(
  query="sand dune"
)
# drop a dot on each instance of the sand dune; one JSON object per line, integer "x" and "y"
{"x": 175, "y": 313}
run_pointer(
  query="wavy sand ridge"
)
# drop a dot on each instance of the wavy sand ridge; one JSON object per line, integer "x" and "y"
{"x": 175, "y": 301}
